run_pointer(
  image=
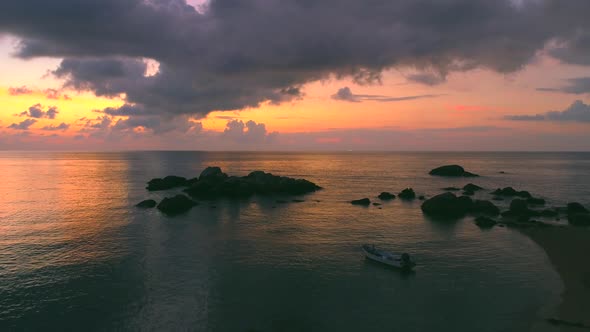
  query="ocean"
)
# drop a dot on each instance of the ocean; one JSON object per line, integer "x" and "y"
{"x": 76, "y": 254}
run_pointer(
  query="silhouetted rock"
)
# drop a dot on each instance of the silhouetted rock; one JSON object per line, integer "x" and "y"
{"x": 385, "y": 196}
{"x": 468, "y": 193}
{"x": 407, "y": 194}
{"x": 213, "y": 183}
{"x": 579, "y": 219}
{"x": 518, "y": 205}
{"x": 421, "y": 197}
{"x": 485, "y": 222}
{"x": 497, "y": 198}
{"x": 297, "y": 200}
{"x": 535, "y": 201}
{"x": 549, "y": 213}
{"x": 362, "y": 201}
{"x": 451, "y": 170}
{"x": 502, "y": 172}
{"x": 451, "y": 189}
{"x": 511, "y": 192}
{"x": 485, "y": 207}
{"x": 472, "y": 187}
{"x": 376, "y": 204}
{"x": 147, "y": 204}
{"x": 166, "y": 183}
{"x": 519, "y": 210}
{"x": 575, "y": 207}
{"x": 447, "y": 205}
{"x": 213, "y": 172}
{"x": 176, "y": 205}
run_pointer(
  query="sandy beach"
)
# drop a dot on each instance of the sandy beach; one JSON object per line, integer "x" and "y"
{"x": 567, "y": 248}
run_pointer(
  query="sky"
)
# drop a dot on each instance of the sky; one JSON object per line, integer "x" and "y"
{"x": 294, "y": 75}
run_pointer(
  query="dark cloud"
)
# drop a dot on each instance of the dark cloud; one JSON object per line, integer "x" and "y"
{"x": 235, "y": 54}
{"x": 23, "y": 125}
{"x": 17, "y": 91}
{"x": 578, "y": 86}
{"x": 61, "y": 127}
{"x": 37, "y": 111}
{"x": 345, "y": 94}
{"x": 577, "y": 112}
{"x": 55, "y": 94}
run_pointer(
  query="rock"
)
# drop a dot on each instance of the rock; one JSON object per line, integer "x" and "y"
{"x": 376, "y": 204}
{"x": 576, "y": 208}
{"x": 298, "y": 200}
{"x": 518, "y": 205}
{"x": 407, "y": 194}
{"x": 549, "y": 213}
{"x": 485, "y": 207}
{"x": 472, "y": 187}
{"x": 362, "y": 201}
{"x": 497, "y": 198}
{"x": 385, "y": 196}
{"x": 447, "y": 205}
{"x": 176, "y": 205}
{"x": 166, "y": 183}
{"x": 451, "y": 189}
{"x": 212, "y": 173}
{"x": 502, "y": 172}
{"x": 213, "y": 183}
{"x": 511, "y": 192}
{"x": 147, "y": 204}
{"x": 451, "y": 170}
{"x": 579, "y": 219}
{"x": 281, "y": 201}
{"x": 421, "y": 197}
{"x": 485, "y": 222}
{"x": 535, "y": 201}
{"x": 468, "y": 193}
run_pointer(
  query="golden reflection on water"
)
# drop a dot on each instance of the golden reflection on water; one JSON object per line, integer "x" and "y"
{"x": 53, "y": 208}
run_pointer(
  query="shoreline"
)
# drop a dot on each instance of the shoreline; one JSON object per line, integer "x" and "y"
{"x": 567, "y": 248}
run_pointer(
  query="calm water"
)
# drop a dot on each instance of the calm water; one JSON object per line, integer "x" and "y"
{"x": 76, "y": 255}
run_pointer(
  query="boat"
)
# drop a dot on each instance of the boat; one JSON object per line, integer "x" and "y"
{"x": 400, "y": 261}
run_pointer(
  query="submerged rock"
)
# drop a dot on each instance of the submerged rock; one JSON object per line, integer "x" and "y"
{"x": 472, "y": 187}
{"x": 147, "y": 204}
{"x": 451, "y": 189}
{"x": 485, "y": 207}
{"x": 485, "y": 222}
{"x": 166, "y": 183}
{"x": 362, "y": 201}
{"x": 385, "y": 196}
{"x": 407, "y": 194}
{"x": 451, "y": 170}
{"x": 176, "y": 205}
{"x": 511, "y": 192}
{"x": 447, "y": 205}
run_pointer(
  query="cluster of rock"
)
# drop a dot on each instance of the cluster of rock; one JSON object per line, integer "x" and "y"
{"x": 448, "y": 205}
{"x": 578, "y": 215}
{"x": 406, "y": 194}
{"x": 212, "y": 183}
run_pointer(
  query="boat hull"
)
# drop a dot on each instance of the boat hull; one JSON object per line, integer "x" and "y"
{"x": 389, "y": 259}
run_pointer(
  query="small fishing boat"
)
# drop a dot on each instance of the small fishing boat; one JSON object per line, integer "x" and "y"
{"x": 401, "y": 261}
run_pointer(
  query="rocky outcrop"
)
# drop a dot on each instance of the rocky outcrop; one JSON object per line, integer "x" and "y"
{"x": 385, "y": 196}
{"x": 535, "y": 201}
{"x": 176, "y": 205}
{"x": 166, "y": 183}
{"x": 447, "y": 205}
{"x": 519, "y": 210}
{"x": 362, "y": 201}
{"x": 576, "y": 208}
{"x": 511, "y": 192}
{"x": 578, "y": 215}
{"x": 407, "y": 194}
{"x": 451, "y": 170}
{"x": 147, "y": 204}
{"x": 451, "y": 189}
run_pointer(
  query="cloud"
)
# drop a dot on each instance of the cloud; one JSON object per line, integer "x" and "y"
{"x": 577, "y": 112}
{"x": 578, "y": 86}
{"x": 36, "y": 111}
{"x": 55, "y": 94}
{"x": 345, "y": 94}
{"x": 235, "y": 54}
{"x": 61, "y": 127}
{"x": 17, "y": 91}
{"x": 249, "y": 132}
{"x": 23, "y": 125}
